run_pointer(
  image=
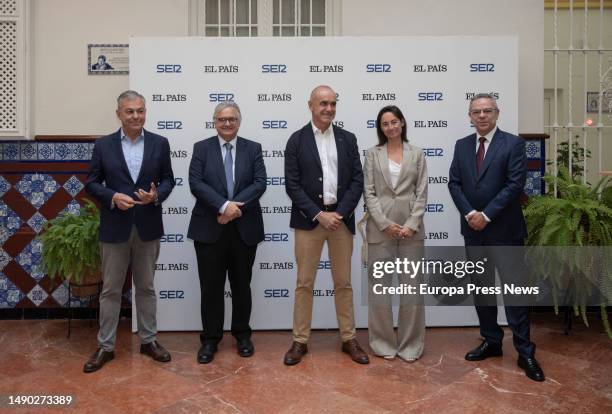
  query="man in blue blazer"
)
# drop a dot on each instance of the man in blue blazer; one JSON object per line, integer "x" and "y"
{"x": 486, "y": 179}
{"x": 227, "y": 176}
{"x": 324, "y": 181}
{"x": 130, "y": 174}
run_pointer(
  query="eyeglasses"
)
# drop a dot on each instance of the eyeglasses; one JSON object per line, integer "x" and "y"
{"x": 393, "y": 123}
{"x": 222, "y": 121}
{"x": 486, "y": 111}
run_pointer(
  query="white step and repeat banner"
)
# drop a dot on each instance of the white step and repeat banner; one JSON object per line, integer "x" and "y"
{"x": 430, "y": 78}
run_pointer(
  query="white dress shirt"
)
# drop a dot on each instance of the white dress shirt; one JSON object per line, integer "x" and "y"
{"x": 326, "y": 145}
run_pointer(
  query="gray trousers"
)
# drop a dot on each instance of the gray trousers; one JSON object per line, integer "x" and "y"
{"x": 116, "y": 257}
{"x": 410, "y": 339}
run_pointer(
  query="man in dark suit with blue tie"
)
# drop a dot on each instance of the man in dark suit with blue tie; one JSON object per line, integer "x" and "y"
{"x": 124, "y": 165}
{"x": 324, "y": 180}
{"x": 486, "y": 180}
{"x": 227, "y": 176}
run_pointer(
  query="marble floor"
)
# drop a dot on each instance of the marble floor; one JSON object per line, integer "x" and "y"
{"x": 36, "y": 358}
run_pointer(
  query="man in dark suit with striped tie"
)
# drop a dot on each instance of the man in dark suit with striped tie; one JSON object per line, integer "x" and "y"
{"x": 227, "y": 176}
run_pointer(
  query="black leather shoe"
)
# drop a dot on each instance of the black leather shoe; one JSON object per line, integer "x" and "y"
{"x": 245, "y": 347}
{"x": 97, "y": 360}
{"x": 207, "y": 353}
{"x": 155, "y": 351}
{"x": 484, "y": 351}
{"x": 532, "y": 368}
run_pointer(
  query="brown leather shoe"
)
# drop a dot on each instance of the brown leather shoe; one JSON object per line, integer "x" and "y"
{"x": 97, "y": 360}
{"x": 295, "y": 353}
{"x": 357, "y": 354}
{"x": 155, "y": 351}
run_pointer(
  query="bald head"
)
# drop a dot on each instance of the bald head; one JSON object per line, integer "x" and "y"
{"x": 322, "y": 104}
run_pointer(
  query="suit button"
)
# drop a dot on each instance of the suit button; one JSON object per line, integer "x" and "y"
{"x": 320, "y": 195}
{"x": 320, "y": 178}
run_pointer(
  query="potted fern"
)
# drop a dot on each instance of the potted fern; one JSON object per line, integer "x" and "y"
{"x": 71, "y": 249}
{"x": 579, "y": 222}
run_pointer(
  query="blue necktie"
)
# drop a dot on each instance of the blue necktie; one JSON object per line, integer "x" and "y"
{"x": 229, "y": 177}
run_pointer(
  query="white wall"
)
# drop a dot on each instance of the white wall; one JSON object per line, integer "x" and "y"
{"x": 66, "y": 99}
{"x": 524, "y": 18}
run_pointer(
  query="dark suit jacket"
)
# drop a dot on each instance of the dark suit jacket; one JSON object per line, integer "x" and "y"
{"x": 209, "y": 186}
{"x": 495, "y": 191}
{"x": 304, "y": 177}
{"x": 108, "y": 174}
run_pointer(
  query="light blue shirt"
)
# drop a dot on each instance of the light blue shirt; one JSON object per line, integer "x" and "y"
{"x": 133, "y": 152}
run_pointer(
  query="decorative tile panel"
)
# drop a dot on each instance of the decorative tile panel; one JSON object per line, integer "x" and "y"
{"x": 73, "y": 208}
{"x": 30, "y": 259}
{"x": 73, "y": 186}
{"x": 5, "y": 258}
{"x": 9, "y": 222}
{"x": 10, "y": 295}
{"x": 37, "y": 188}
{"x": 533, "y": 184}
{"x": 4, "y": 186}
{"x": 60, "y": 294}
{"x": 533, "y": 149}
{"x": 37, "y": 295}
{"x": 36, "y": 222}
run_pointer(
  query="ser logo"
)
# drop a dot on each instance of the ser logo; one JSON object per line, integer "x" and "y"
{"x": 273, "y": 68}
{"x": 371, "y": 123}
{"x": 482, "y": 67}
{"x": 169, "y": 68}
{"x": 172, "y": 294}
{"x": 172, "y": 238}
{"x": 274, "y": 124}
{"x": 169, "y": 125}
{"x": 275, "y": 181}
{"x": 221, "y": 97}
{"x": 276, "y": 293}
{"x": 378, "y": 67}
{"x": 324, "y": 265}
{"x": 433, "y": 152}
{"x": 178, "y": 181}
{"x": 276, "y": 237}
{"x": 430, "y": 96}
{"x": 434, "y": 208}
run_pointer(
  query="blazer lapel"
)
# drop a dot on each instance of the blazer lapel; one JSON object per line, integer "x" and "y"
{"x": 471, "y": 157}
{"x": 408, "y": 158}
{"x": 217, "y": 160}
{"x": 239, "y": 164}
{"x": 147, "y": 155}
{"x": 118, "y": 149}
{"x": 312, "y": 144}
{"x": 341, "y": 152}
{"x": 383, "y": 164}
{"x": 494, "y": 145}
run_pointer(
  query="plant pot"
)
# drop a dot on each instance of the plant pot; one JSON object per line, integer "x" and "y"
{"x": 90, "y": 285}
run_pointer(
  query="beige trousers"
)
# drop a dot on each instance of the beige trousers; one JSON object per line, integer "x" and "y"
{"x": 308, "y": 247}
{"x": 410, "y": 339}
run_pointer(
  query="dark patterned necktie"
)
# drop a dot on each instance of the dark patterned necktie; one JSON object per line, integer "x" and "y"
{"x": 480, "y": 154}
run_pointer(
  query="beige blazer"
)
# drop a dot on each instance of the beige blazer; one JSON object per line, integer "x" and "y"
{"x": 404, "y": 204}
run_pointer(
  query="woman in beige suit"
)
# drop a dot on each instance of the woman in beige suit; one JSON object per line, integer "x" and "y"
{"x": 395, "y": 192}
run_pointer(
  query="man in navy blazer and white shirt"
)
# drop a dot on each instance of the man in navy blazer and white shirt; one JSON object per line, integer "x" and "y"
{"x": 486, "y": 179}
{"x": 130, "y": 174}
{"x": 227, "y": 176}
{"x": 324, "y": 181}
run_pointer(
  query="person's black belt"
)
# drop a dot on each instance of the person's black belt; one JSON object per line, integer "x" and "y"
{"x": 330, "y": 207}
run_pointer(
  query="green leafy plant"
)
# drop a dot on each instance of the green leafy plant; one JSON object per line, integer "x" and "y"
{"x": 578, "y": 157}
{"x": 579, "y": 222}
{"x": 70, "y": 245}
